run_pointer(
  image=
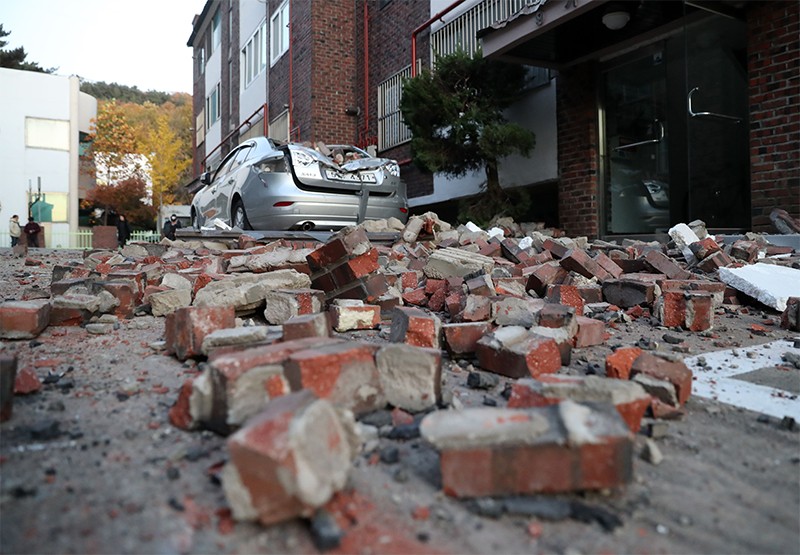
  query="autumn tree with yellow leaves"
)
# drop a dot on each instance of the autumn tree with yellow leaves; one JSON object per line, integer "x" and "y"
{"x": 143, "y": 141}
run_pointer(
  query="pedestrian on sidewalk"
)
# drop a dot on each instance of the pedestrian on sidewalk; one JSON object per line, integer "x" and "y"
{"x": 171, "y": 226}
{"x": 123, "y": 230}
{"x": 14, "y": 230}
{"x": 32, "y": 230}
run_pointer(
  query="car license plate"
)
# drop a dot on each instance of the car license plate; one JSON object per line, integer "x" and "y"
{"x": 351, "y": 177}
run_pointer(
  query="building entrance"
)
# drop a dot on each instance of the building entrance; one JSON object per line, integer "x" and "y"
{"x": 675, "y": 132}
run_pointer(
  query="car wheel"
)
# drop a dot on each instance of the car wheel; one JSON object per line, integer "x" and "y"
{"x": 239, "y": 215}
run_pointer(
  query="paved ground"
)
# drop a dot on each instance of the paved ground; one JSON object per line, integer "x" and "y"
{"x": 90, "y": 464}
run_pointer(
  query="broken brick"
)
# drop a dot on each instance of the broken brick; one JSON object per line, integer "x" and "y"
{"x": 515, "y": 352}
{"x": 675, "y": 372}
{"x": 344, "y": 373}
{"x": 558, "y": 448}
{"x": 287, "y": 461}
{"x": 24, "y": 319}
{"x": 579, "y": 261}
{"x": 349, "y": 315}
{"x": 415, "y": 327}
{"x": 462, "y": 338}
{"x": 590, "y": 332}
{"x": 306, "y": 325}
{"x": 629, "y": 398}
{"x": 187, "y": 327}
{"x": 411, "y": 377}
{"x": 619, "y": 363}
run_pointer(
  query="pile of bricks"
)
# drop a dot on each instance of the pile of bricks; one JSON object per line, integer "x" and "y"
{"x": 339, "y": 330}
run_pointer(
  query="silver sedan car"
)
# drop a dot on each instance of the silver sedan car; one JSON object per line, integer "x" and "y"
{"x": 266, "y": 185}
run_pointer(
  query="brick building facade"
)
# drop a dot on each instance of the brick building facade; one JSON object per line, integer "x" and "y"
{"x": 340, "y": 53}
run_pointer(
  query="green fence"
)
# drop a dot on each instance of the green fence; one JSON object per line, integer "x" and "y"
{"x": 81, "y": 240}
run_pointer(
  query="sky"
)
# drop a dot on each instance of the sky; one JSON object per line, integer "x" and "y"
{"x": 138, "y": 43}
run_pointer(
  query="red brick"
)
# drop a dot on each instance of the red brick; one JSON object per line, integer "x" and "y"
{"x": 539, "y": 277}
{"x": 630, "y": 399}
{"x": 608, "y": 264}
{"x": 619, "y": 363}
{"x": 565, "y": 294}
{"x": 675, "y": 372}
{"x": 121, "y": 291}
{"x": 137, "y": 280}
{"x": 180, "y": 414}
{"x": 481, "y": 285}
{"x": 356, "y": 268}
{"x": 415, "y": 327}
{"x": 476, "y": 309}
{"x": 416, "y": 297}
{"x": 23, "y": 319}
{"x": 306, "y": 325}
{"x": 368, "y": 289}
{"x": 699, "y": 310}
{"x": 745, "y": 250}
{"x": 556, "y": 249}
{"x": 437, "y": 300}
{"x": 343, "y": 373}
{"x": 704, "y": 248}
{"x": 715, "y": 261}
{"x": 660, "y": 262}
{"x": 516, "y": 353}
{"x": 462, "y": 338}
{"x": 528, "y": 451}
{"x": 554, "y": 315}
{"x": 591, "y": 332}
{"x": 26, "y": 382}
{"x": 346, "y": 317}
{"x": 349, "y": 242}
{"x": 290, "y": 460}
{"x": 578, "y": 260}
{"x": 232, "y": 403}
{"x": 185, "y": 328}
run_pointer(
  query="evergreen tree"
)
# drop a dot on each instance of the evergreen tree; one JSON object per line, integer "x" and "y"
{"x": 15, "y": 58}
{"x": 455, "y": 114}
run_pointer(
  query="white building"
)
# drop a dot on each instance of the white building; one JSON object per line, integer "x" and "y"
{"x": 44, "y": 122}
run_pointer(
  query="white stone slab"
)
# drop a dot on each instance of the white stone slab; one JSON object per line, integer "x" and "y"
{"x": 768, "y": 283}
{"x": 717, "y": 380}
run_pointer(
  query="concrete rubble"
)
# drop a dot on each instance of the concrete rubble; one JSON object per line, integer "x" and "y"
{"x": 301, "y": 343}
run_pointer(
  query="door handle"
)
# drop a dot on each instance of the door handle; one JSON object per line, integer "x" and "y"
{"x": 708, "y": 114}
{"x": 647, "y": 141}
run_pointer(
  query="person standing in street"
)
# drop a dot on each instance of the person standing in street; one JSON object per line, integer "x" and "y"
{"x": 14, "y": 230}
{"x": 32, "y": 230}
{"x": 123, "y": 230}
{"x": 171, "y": 226}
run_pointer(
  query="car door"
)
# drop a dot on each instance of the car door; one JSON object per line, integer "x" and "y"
{"x": 235, "y": 178}
{"x": 221, "y": 186}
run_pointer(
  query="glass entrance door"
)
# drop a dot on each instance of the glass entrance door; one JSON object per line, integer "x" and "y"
{"x": 637, "y": 128}
{"x": 675, "y": 132}
{"x": 717, "y": 126}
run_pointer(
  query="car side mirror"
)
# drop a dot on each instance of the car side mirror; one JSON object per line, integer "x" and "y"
{"x": 205, "y": 178}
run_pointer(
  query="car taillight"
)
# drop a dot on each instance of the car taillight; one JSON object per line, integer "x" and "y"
{"x": 302, "y": 158}
{"x": 282, "y": 204}
{"x": 404, "y": 210}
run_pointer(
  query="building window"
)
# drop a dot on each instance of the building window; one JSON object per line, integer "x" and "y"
{"x": 216, "y": 30}
{"x": 212, "y": 107}
{"x": 254, "y": 55}
{"x": 279, "y": 29}
{"x": 391, "y": 129}
{"x": 201, "y": 60}
{"x": 51, "y": 134}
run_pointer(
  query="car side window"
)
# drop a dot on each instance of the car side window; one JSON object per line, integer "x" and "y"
{"x": 241, "y": 156}
{"x": 225, "y": 167}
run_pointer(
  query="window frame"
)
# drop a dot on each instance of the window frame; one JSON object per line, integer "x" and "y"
{"x": 279, "y": 42}
{"x": 254, "y": 55}
{"x": 213, "y": 101}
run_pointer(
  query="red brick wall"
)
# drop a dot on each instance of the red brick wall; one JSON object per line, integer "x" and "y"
{"x": 333, "y": 76}
{"x": 576, "y": 111}
{"x": 774, "y": 66}
{"x": 390, "y": 29}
